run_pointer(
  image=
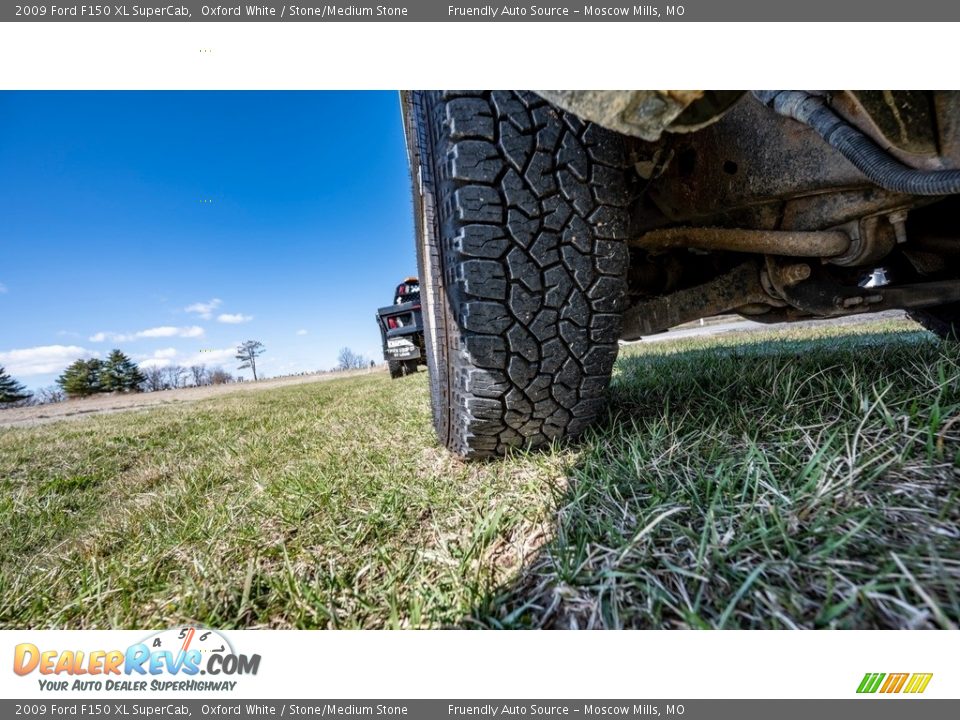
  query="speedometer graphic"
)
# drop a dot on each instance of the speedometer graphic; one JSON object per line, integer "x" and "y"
{"x": 183, "y": 639}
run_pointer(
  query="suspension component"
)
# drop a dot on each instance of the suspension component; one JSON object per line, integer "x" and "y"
{"x": 737, "y": 287}
{"x": 826, "y": 243}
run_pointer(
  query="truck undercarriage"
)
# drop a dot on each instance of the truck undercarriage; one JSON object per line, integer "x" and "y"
{"x": 758, "y": 214}
{"x": 553, "y": 224}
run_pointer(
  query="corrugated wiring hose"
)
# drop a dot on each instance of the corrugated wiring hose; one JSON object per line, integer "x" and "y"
{"x": 868, "y": 157}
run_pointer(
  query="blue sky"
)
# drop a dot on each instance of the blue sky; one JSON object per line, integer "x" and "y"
{"x": 174, "y": 225}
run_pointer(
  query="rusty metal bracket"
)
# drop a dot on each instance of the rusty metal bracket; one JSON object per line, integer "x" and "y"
{"x": 824, "y": 244}
{"x": 737, "y": 287}
{"x": 822, "y": 297}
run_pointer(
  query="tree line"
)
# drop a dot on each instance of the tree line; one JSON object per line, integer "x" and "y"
{"x": 172, "y": 377}
{"x": 118, "y": 373}
{"x": 347, "y": 359}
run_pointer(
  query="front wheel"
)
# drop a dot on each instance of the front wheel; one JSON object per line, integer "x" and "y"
{"x": 521, "y": 214}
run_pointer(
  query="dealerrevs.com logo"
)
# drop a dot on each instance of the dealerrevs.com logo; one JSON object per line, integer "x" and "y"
{"x": 170, "y": 660}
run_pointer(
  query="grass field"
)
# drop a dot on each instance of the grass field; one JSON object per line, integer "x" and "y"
{"x": 806, "y": 479}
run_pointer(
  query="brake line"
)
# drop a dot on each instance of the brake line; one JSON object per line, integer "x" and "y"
{"x": 868, "y": 157}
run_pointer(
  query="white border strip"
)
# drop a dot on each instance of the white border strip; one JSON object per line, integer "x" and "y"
{"x": 476, "y": 55}
{"x": 555, "y": 665}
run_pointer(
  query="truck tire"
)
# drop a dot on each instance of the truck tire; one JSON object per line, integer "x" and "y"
{"x": 943, "y": 321}
{"x": 521, "y": 213}
{"x": 409, "y": 367}
{"x": 396, "y": 368}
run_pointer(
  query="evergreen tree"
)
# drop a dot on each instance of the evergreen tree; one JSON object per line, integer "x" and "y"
{"x": 82, "y": 378}
{"x": 10, "y": 390}
{"x": 247, "y": 352}
{"x": 120, "y": 373}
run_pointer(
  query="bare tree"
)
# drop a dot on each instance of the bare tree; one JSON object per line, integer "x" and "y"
{"x": 199, "y": 374}
{"x": 219, "y": 376}
{"x": 175, "y": 375}
{"x": 154, "y": 376}
{"x": 247, "y": 353}
{"x": 349, "y": 360}
{"x": 47, "y": 395}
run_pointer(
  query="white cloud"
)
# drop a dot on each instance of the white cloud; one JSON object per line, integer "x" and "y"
{"x": 169, "y": 331}
{"x": 154, "y": 362}
{"x": 211, "y": 357}
{"x": 159, "y": 358}
{"x": 204, "y": 309}
{"x": 3, "y": 289}
{"x": 234, "y": 319}
{"x": 193, "y": 331}
{"x": 301, "y": 332}
{"x": 171, "y": 356}
{"x": 42, "y": 360}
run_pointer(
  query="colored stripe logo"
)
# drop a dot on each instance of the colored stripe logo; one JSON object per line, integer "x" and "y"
{"x": 912, "y": 683}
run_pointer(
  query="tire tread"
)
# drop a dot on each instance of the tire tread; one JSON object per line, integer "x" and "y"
{"x": 531, "y": 227}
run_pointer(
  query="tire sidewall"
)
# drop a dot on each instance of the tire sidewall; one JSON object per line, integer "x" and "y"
{"x": 437, "y": 324}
